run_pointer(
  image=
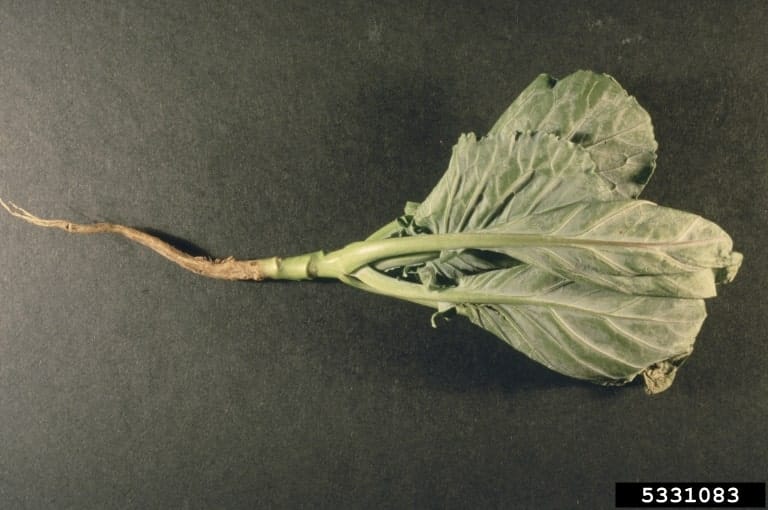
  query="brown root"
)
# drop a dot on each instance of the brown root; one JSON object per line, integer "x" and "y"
{"x": 224, "y": 269}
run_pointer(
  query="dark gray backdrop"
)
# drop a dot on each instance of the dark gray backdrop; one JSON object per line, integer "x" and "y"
{"x": 255, "y": 128}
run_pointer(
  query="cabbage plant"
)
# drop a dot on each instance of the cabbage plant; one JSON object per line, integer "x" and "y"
{"x": 535, "y": 234}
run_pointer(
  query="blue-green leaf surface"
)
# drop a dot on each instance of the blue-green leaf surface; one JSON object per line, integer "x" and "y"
{"x": 631, "y": 246}
{"x": 498, "y": 178}
{"x": 581, "y": 330}
{"x": 595, "y": 112}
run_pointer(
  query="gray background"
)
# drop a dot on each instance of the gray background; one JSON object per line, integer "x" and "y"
{"x": 253, "y": 129}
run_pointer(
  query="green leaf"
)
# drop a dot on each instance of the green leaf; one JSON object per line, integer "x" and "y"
{"x": 495, "y": 179}
{"x": 522, "y": 166}
{"x": 538, "y": 185}
{"x": 581, "y": 330}
{"x": 631, "y": 246}
{"x": 579, "y": 139}
{"x": 595, "y": 112}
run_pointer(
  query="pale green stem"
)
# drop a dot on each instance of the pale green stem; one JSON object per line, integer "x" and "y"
{"x": 379, "y": 283}
{"x": 386, "y": 231}
{"x": 413, "y": 249}
{"x": 356, "y": 255}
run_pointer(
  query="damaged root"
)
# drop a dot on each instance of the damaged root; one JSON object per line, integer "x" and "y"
{"x": 223, "y": 269}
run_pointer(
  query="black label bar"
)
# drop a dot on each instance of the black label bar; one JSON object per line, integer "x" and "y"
{"x": 690, "y": 495}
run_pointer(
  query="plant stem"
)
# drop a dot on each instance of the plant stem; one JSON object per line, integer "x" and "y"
{"x": 356, "y": 255}
{"x": 379, "y": 283}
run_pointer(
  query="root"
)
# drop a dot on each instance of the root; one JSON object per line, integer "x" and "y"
{"x": 223, "y": 269}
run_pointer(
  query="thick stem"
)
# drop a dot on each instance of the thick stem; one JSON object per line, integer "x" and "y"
{"x": 293, "y": 268}
{"x": 356, "y": 255}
